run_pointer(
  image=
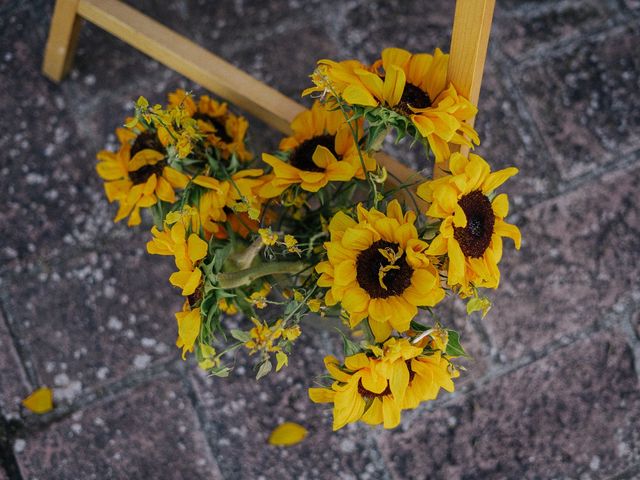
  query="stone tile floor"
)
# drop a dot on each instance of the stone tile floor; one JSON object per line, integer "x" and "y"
{"x": 554, "y": 389}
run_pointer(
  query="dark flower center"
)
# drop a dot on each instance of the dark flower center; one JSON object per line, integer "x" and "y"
{"x": 364, "y": 393}
{"x": 412, "y": 96}
{"x": 380, "y": 277}
{"x": 302, "y": 156}
{"x": 475, "y": 238}
{"x": 221, "y": 130}
{"x": 146, "y": 140}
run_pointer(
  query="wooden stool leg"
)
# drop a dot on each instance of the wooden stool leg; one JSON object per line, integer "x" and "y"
{"x": 63, "y": 38}
{"x": 469, "y": 42}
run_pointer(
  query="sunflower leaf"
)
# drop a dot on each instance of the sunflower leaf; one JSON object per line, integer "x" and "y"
{"x": 454, "y": 348}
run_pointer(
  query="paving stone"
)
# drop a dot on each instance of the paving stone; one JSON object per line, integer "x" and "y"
{"x": 366, "y": 28}
{"x": 580, "y": 101}
{"x": 3, "y": 475}
{"x": 578, "y": 263}
{"x": 531, "y": 30}
{"x": 508, "y": 140}
{"x": 14, "y": 384}
{"x": 151, "y": 432}
{"x": 572, "y": 414}
{"x": 92, "y": 318}
{"x": 241, "y": 412}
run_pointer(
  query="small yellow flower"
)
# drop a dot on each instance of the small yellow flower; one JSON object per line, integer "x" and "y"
{"x": 259, "y": 298}
{"x": 268, "y": 237}
{"x": 263, "y": 337}
{"x": 291, "y": 333}
{"x": 210, "y": 358}
{"x": 226, "y": 307}
{"x": 282, "y": 360}
{"x": 292, "y": 244}
{"x": 187, "y": 257}
{"x": 314, "y": 305}
{"x": 189, "y": 322}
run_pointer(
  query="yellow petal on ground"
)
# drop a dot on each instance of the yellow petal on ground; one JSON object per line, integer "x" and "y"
{"x": 287, "y": 434}
{"x": 39, "y": 401}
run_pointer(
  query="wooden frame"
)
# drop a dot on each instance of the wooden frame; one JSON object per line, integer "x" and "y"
{"x": 469, "y": 41}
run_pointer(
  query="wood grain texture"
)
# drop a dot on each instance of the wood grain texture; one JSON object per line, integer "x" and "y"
{"x": 192, "y": 61}
{"x": 62, "y": 41}
{"x": 469, "y": 42}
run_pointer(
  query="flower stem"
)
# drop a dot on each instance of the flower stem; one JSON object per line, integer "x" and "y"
{"x": 240, "y": 278}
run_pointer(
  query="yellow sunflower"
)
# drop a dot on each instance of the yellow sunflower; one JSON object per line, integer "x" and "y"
{"x": 427, "y": 375}
{"x": 321, "y": 150}
{"x": 412, "y": 85}
{"x": 360, "y": 382}
{"x": 222, "y": 128}
{"x": 138, "y": 176}
{"x": 377, "y": 268}
{"x": 375, "y": 385}
{"x": 473, "y": 225}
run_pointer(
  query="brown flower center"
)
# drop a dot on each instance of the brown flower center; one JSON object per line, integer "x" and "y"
{"x": 412, "y": 96}
{"x": 378, "y": 275}
{"x": 146, "y": 140}
{"x": 302, "y": 156}
{"x": 475, "y": 238}
{"x": 221, "y": 130}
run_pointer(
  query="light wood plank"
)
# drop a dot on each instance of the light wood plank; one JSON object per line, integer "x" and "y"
{"x": 469, "y": 42}
{"x": 192, "y": 61}
{"x": 62, "y": 41}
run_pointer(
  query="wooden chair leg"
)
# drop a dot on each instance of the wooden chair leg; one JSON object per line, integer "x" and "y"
{"x": 469, "y": 42}
{"x": 62, "y": 41}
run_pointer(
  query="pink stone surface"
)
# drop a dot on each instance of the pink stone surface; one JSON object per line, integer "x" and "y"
{"x": 572, "y": 414}
{"x": 150, "y": 432}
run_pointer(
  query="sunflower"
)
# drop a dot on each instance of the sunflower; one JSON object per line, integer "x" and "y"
{"x": 358, "y": 383}
{"x": 138, "y": 176}
{"x": 427, "y": 375}
{"x": 413, "y": 86}
{"x": 322, "y": 149}
{"x": 223, "y": 129}
{"x": 472, "y": 222}
{"x": 375, "y": 385}
{"x": 224, "y": 197}
{"x": 377, "y": 268}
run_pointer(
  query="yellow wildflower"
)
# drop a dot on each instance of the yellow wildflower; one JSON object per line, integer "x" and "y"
{"x": 188, "y": 328}
{"x": 269, "y": 238}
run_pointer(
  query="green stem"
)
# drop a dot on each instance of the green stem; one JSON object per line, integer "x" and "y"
{"x": 240, "y": 278}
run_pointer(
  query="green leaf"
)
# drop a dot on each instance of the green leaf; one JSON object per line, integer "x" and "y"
{"x": 240, "y": 335}
{"x": 220, "y": 371}
{"x": 265, "y": 368}
{"x": 454, "y": 348}
{"x": 349, "y": 347}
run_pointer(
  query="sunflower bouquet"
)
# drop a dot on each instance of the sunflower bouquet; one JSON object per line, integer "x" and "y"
{"x": 264, "y": 246}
